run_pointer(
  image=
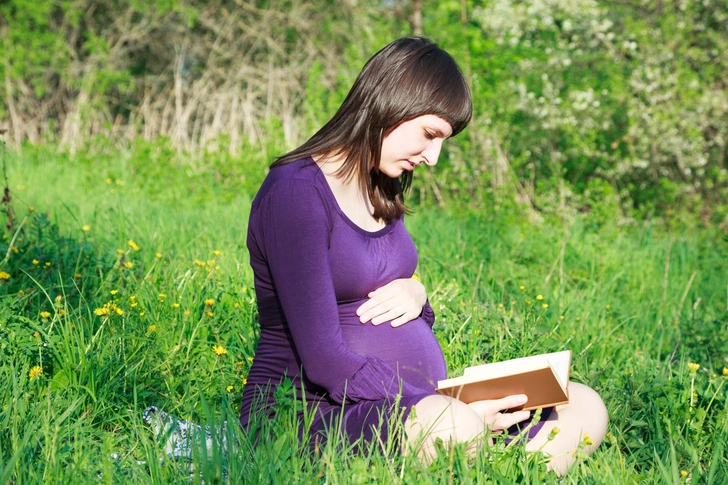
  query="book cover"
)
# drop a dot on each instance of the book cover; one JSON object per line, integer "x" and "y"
{"x": 543, "y": 378}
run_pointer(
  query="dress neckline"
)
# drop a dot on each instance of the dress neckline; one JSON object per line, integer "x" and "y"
{"x": 330, "y": 195}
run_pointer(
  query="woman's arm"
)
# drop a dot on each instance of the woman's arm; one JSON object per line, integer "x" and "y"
{"x": 291, "y": 229}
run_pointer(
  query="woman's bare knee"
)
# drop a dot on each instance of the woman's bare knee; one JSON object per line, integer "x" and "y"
{"x": 442, "y": 419}
{"x": 581, "y": 425}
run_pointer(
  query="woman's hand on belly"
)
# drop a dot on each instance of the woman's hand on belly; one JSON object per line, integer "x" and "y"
{"x": 400, "y": 301}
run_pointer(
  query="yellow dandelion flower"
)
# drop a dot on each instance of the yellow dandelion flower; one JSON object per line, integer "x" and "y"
{"x": 78, "y": 276}
{"x": 554, "y": 431}
{"x": 85, "y": 228}
{"x": 236, "y": 305}
{"x": 128, "y": 265}
{"x": 528, "y": 302}
{"x": 45, "y": 315}
{"x": 539, "y": 297}
{"x": 608, "y": 307}
{"x": 587, "y": 440}
{"x": 229, "y": 388}
{"x": 209, "y": 302}
{"x": 61, "y": 312}
{"x": 245, "y": 380}
{"x": 683, "y": 473}
{"x": 208, "y": 313}
{"x": 114, "y": 292}
{"x": 120, "y": 251}
{"x": 48, "y": 264}
{"x": 544, "y": 305}
{"x": 199, "y": 263}
{"x": 522, "y": 288}
{"x": 36, "y": 262}
{"x": 102, "y": 311}
{"x": 500, "y": 305}
{"x": 561, "y": 317}
{"x": 152, "y": 328}
{"x": 4, "y": 275}
{"x": 250, "y": 359}
{"x": 133, "y": 245}
{"x": 217, "y": 253}
{"x": 133, "y": 304}
{"x": 175, "y": 305}
{"x": 141, "y": 314}
{"x": 219, "y": 350}
{"x": 31, "y": 208}
{"x": 725, "y": 371}
{"x": 59, "y": 298}
{"x": 158, "y": 255}
{"x": 118, "y": 311}
{"x": 108, "y": 181}
{"x": 119, "y": 182}
{"x": 35, "y": 371}
{"x": 693, "y": 367}
{"x": 187, "y": 313}
{"x": 162, "y": 296}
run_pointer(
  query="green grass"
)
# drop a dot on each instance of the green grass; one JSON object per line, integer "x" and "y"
{"x": 635, "y": 303}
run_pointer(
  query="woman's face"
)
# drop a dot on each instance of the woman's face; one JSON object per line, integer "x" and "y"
{"x": 413, "y": 142}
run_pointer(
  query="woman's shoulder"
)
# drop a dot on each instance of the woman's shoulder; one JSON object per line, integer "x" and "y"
{"x": 291, "y": 181}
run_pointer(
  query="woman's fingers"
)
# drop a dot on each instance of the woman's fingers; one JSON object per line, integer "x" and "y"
{"x": 506, "y": 420}
{"x": 492, "y": 411}
{"x": 375, "y": 308}
{"x": 389, "y": 315}
{"x": 510, "y": 402}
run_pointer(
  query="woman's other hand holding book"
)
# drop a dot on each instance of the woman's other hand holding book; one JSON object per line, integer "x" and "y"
{"x": 495, "y": 415}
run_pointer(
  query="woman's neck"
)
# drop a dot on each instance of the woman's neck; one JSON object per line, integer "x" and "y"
{"x": 348, "y": 194}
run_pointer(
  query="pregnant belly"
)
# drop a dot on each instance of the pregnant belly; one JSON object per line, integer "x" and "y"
{"x": 412, "y": 350}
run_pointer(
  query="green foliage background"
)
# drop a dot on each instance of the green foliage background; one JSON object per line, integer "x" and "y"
{"x": 576, "y": 101}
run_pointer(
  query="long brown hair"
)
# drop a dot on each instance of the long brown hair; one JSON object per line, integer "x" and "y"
{"x": 408, "y": 78}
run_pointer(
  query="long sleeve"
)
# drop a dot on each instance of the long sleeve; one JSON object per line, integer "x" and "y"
{"x": 292, "y": 231}
{"x": 428, "y": 314}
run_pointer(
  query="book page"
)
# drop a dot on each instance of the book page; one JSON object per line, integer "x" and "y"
{"x": 508, "y": 367}
{"x": 560, "y": 363}
{"x": 517, "y": 365}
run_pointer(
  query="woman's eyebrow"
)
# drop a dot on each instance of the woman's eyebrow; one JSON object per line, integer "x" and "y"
{"x": 439, "y": 133}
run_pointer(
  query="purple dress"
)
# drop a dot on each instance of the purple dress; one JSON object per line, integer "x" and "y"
{"x": 313, "y": 268}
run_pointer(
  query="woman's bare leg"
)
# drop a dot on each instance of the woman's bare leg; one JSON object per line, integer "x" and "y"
{"x": 452, "y": 421}
{"x": 441, "y": 418}
{"x": 584, "y": 416}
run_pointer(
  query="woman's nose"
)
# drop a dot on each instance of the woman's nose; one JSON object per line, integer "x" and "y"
{"x": 432, "y": 153}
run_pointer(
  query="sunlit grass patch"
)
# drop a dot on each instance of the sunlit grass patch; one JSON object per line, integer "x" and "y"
{"x": 88, "y": 341}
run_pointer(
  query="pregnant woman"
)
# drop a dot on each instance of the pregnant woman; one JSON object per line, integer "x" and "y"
{"x": 340, "y": 313}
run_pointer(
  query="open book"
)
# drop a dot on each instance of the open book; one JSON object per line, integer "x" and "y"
{"x": 543, "y": 378}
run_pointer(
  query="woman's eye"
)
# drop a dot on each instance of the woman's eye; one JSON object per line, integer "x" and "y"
{"x": 429, "y": 136}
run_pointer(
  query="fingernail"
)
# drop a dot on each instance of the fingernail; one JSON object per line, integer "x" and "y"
{"x": 522, "y": 399}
